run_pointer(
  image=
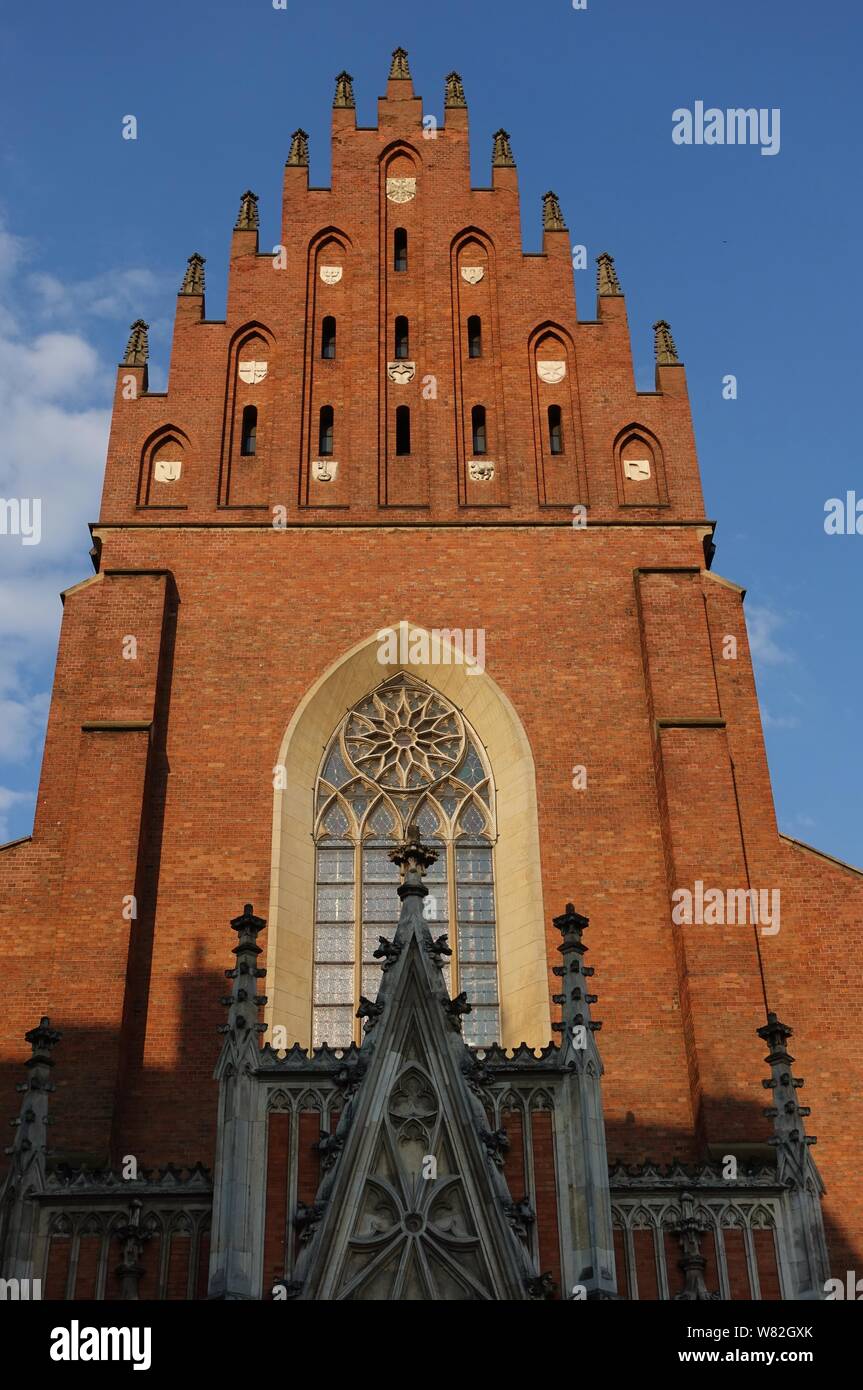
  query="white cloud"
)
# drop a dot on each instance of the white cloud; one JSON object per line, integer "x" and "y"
{"x": 763, "y": 624}
{"x": 8, "y": 801}
{"x": 55, "y": 392}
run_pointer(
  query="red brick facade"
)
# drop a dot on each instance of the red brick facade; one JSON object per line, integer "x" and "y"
{"x": 610, "y": 641}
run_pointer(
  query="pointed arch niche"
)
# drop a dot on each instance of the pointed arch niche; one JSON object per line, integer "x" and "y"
{"x": 505, "y": 754}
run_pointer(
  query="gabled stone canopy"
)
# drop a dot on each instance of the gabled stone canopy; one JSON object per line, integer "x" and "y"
{"x": 413, "y": 1204}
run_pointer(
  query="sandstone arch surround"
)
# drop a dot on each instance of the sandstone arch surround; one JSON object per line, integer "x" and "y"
{"x": 523, "y": 967}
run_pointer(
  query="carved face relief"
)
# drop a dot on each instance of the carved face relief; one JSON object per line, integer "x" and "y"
{"x": 401, "y": 190}
{"x": 480, "y": 472}
{"x": 167, "y": 471}
{"x": 401, "y": 372}
{"x": 551, "y": 372}
{"x": 331, "y": 274}
{"x": 252, "y": 372}
{"x": 472, "y": 273}
{"x": 637, "y": 469}
{"x": 324, "y": 470}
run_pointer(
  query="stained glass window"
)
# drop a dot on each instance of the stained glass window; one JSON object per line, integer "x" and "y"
{"x": 403, "y": 755}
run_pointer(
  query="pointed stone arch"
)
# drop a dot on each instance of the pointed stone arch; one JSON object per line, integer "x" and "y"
{"x": 521, "y": 931}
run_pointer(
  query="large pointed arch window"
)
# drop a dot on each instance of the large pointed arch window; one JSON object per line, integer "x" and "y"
{"x": 402, "y": 755}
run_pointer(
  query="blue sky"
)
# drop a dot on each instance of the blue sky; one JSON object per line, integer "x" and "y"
{"x": 753, "y": 259}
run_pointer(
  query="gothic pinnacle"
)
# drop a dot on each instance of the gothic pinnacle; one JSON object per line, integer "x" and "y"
{"x": 247, "y": 217}
{"x": 502, "y": 157}
{"x": 138, "y": 346}
{"x": 193, "y": 280}
{"x": 344, "y": 98}
{"x": 552, "y": 217}
{"x": 399, "y": 67}
{"x": 664, "y": 346}
{"x": 454, "y": 90}
{"x": 607, "y": 282}
{"x": 299, "y": 154}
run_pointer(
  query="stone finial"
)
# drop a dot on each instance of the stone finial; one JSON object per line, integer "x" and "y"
{"x": 663, "y": 345}
{"x": 247, "y": 217}
{"x": 344, "y": 98}
{"x": 193, "y": 280}
{"x": 454, "y": 90}
{"x": 243, "y": 1003}
{"x": 606, "y": 275}
{"x": 299, "y": 153}
{"x": 30, "y": 1143}
{"x": 574, "y": 1000}
{"x": 789, "y": 1131}
{"x": 552, "y": 217}
{"x": 414, "y": 859}
{"x": 132, "y": 1237}
{"x": 502, "y": 157}
{"x": 399, "y": 66}
{"x": 693, "y": 1264}
{"x": 138, "y": 346}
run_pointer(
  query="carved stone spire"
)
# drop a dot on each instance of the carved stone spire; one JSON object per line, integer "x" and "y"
{"x": 193, "y": 280}
{"x": 502, "y": 157}
{"x": 607, "y": 282}
{"x": 789, "y": 1132}
{"x": 26, "y": 1174}
{"x": 30, "y": 1144}
{"x": 552, "y": 217}
{"x": 663, "y": 345}
{"x": 795, "y": 1166}
{"x": 692, "y": 1262}
{"x": 454, "y": 90}
{"x": 138, "y": 346}
{"x": 344, "y": 98}
{"x": 574, "y": 999}
{"x": 243, "y": 1003}
{"x": 247, "y": 217}
{"x": 299, "y": 153}
{"x": 399, "y": 66}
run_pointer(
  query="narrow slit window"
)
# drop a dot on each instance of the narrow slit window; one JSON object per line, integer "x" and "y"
{"x": 326, "y": 431}
{"x": 403, "y": 429}
{"x": 402, "y": 339}
{"x": 328, "y": 337}
{"x": 400, "y": 249}
{"x": 249, "y": 431}
{"x": 555, "y": 429}
{"x": 474, "y": 336}
{"x": 480, "y": 439}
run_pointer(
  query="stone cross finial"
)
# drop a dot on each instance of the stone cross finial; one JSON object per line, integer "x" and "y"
{"x": 193, "y": 280}
{"x": 552, "y": 217}
{"x": 344, "y": 98}
{"x": 606, "y": 275}
{"x": 454, "y": 90}
{"x": 138, "y": 346}
{"x": 399, "y": 66}
{"x": 663, "y": 345}
{"x": 573, "y": 998}
{"x": 247, "y": 217}
{"x": 299, "y": 154}
{"x": 502, "y": 157}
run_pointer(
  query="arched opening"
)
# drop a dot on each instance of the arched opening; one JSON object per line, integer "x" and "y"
{"x": 474, "y": 336}
{"x": 249, "y": 431}
{"x": 366, "y": 799}
{"x": 478, "y": 428}
{"x": 555, "y": 429}
{"x": 511, "y": 828}
{"x": 403, "y": 429}
{"x": 326, "y": 431}
{"x": 328, "y": 337}
{"x": 402, "y": 338}
{"x": 400, "y": 249}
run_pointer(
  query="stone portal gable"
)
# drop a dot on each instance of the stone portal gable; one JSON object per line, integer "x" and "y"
{"x": 413, "y": 1203}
